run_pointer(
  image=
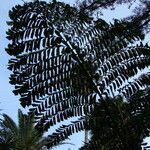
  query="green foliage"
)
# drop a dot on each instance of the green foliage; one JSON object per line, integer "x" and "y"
{"x": 64, "y": 62}
{"x": 23, "y": 136}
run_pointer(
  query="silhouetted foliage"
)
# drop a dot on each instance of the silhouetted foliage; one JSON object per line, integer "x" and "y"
{"x": 140, "y": 14}
{"x": 92, "y": 5}
{"x": 64, "y": 62}
{"x": 127, "y": 126}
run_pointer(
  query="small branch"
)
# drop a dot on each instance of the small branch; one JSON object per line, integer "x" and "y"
{"x": 23, "y": 1}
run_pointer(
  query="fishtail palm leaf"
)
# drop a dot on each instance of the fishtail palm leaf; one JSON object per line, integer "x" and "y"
{"x": 64, "y": 62}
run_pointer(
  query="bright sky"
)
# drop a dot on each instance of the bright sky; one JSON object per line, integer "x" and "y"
{"x": 8, "y": 102}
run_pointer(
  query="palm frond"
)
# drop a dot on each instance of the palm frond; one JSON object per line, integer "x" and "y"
{"x": 9, "y": 124}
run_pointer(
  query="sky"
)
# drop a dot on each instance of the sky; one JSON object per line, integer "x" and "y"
{"x": 10, "y": 103}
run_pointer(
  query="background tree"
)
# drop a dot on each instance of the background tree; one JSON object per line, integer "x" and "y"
{"x": 131, "y": 120}
{"x": 64, "y": 62}
{"x": 140, "y": 13}
{"x": 23, "y": 136}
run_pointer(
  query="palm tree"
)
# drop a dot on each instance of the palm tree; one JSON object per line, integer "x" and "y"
{"x": 64, "y": 62}
{"x": 23, "y": 136}
{"x": 131, "y": 122}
